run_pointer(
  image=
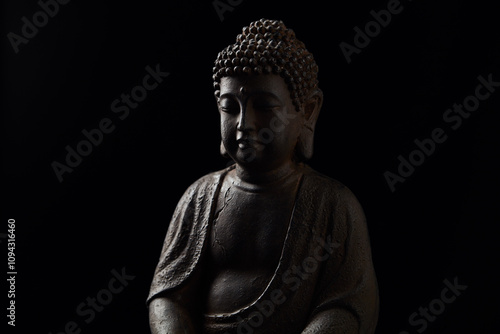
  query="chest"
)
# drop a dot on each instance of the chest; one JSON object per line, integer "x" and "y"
{"x": 249, "y": 228}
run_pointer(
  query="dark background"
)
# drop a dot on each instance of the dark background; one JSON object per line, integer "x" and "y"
{"x": 113, "y": 210}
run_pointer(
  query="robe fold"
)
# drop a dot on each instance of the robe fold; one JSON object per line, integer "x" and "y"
{"x": 325, "y": 270}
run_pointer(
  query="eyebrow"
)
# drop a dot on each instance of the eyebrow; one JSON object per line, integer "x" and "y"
{"x": 259, "y": 92}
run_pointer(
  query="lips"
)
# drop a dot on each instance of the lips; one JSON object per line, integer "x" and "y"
{"x": 244, "y": 143}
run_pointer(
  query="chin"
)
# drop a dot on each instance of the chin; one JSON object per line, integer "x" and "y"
{"x": 249, "y": 159}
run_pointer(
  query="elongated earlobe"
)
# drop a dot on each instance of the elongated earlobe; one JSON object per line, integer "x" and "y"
{"x": 305, "y": 144}
{"x": 311, "y": 108}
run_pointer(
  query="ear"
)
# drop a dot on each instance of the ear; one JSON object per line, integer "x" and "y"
{"x": 310, "y": 110}
{"x": 222, "y": 149}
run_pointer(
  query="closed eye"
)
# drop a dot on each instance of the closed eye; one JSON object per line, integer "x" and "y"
{"x": 266, "y": 108}
{"x": 265, "y": 102}
{"x": 229, "y": 109}
{"x": 229, "y": 106}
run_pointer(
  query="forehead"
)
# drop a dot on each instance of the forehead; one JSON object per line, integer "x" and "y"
{"x": 254, "y": 84}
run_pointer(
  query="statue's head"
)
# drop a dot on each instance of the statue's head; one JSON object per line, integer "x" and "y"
{"x": 267, "y": 92}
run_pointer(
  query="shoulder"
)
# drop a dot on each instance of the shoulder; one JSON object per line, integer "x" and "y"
{"x": 211, "y": 178}
{"x": 208, "y": 182}
{"x": 200, "y": 193}
{"x": 325, "y": 186}
{"x": 321, "y": 181}
{"x": 330, "y": 192}
{"x": 338, "y": 200}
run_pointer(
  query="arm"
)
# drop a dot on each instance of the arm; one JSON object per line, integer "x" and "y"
{"x": 176, "y": 312}
{"x": 333, "y": 321}
{"x": 174, "y": 298}
{"x": 168, "y": 316}
{"x": 347, "y": 299}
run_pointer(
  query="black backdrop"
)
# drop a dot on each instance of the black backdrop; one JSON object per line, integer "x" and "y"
{"x": 112, "y": 211}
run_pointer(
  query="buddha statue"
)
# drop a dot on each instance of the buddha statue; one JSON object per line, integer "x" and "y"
{"x": 266, "y": 245}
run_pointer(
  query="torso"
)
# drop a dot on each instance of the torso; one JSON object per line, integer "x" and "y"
{"x": 246, "y": 240}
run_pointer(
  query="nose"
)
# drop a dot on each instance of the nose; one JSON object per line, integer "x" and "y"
{"x": 246, "y": 120}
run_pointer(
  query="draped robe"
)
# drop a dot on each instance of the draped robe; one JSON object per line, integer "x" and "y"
{"x": 325, "y": 264}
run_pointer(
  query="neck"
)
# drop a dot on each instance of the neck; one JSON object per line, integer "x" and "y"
{"x": 266, "y": 177}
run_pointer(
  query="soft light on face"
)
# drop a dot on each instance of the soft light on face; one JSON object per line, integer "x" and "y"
{"x": 259, "y": 123}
